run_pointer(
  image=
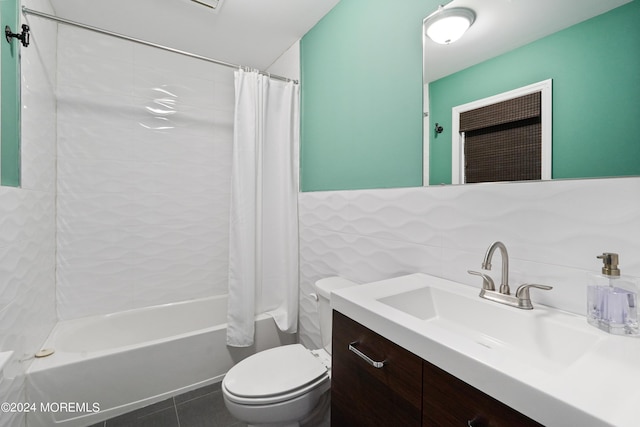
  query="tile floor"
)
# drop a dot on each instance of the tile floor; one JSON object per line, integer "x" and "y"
{"x": 203, "y": 407}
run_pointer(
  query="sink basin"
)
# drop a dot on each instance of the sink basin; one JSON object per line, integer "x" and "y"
{"x": 541, "y": 336}
{"x": 547, "y": 363}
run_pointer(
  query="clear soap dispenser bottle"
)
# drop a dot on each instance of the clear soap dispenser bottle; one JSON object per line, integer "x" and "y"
{"x": 612, "y": 299}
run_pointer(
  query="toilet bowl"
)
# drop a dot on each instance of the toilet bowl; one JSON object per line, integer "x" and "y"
{"x": 285, "y": 386}
{"x": 280, "y": 386}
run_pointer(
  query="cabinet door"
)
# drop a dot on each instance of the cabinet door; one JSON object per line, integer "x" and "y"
{"x": 450, "y": 402}
{"x": 363, "y": 395}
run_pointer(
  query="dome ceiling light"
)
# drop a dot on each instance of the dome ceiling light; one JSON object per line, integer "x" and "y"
{"x": 445, "y": 26}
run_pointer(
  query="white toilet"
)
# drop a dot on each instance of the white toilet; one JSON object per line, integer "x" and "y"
{"x": 286, "y": 385}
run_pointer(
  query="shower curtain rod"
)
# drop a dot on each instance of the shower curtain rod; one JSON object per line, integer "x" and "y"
{"x": 27, "y": 11}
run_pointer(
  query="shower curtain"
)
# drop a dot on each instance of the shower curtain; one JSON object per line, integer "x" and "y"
{"x": 263, "y": 237}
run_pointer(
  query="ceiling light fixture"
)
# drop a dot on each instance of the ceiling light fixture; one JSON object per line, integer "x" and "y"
{"x": 445, "y": 26}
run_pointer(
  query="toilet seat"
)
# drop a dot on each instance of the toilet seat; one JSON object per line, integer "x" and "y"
{"x": 275, "y": 375}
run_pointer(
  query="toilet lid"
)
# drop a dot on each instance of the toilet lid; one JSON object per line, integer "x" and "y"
{"x": 273, "y": 372}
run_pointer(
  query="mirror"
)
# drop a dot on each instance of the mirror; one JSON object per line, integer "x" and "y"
{"x": 588, "y": 48}
{"x": 10, "y": 96}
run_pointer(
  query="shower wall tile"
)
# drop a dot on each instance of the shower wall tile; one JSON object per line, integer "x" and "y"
{"x": 13, "y": 391}
{"x": 553, "y": 232}
{"x": 108, "y": 76}
{"x": 27, "y": 244}
{"x": 27, "y": 219}
{"x": 27, "y": 286}
{"x": 112, "y": 176}
{"x": 78, "y": 211}
{"x": 38, "y": 143}
{"x": 144, "y": 165}
{"x": 80, "y": 46}
{"x": 189, "y": 91}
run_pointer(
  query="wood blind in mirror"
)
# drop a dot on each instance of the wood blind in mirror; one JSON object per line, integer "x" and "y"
{"x": 503, "y": 141}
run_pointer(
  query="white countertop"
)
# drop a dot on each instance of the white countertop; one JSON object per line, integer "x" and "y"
{"x": 598, "y": 388}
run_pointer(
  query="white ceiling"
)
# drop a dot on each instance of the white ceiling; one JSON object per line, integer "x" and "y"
{"x": 256, "y": 32}
{"x": 503, "y": 25}
{"x": 244, "y": 32}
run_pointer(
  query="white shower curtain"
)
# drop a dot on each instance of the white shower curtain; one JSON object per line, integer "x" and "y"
{"x": 263, "y": 241}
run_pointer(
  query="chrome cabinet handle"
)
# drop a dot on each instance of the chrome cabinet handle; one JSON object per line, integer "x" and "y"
{"x": 370, "y": 361}
{"x": 476, "y": 422}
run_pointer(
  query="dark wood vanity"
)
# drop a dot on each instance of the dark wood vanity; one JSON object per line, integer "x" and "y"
{"x": 406, "y": 391}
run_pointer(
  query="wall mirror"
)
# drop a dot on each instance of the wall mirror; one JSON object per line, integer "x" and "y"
{"x": 10, "y": 97}
{"x": 588, "y": 48}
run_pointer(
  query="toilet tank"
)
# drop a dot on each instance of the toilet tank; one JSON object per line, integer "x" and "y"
{"x": 323, "y": 288}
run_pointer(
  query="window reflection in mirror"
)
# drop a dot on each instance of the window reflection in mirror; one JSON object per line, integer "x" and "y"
{"x": 506, "y": 137}
{"x": 10, "y": 95}
{"x": 596, "y": 93}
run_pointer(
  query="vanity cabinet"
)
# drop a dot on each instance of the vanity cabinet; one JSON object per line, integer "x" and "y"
{"x": 449, "y": 401}
{"x": 363, "y": 395}
{"x": 405, "y": 390}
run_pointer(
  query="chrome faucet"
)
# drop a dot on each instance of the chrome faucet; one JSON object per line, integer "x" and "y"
{"x": 521, "y": 299}
{"x": 486, "y": 265}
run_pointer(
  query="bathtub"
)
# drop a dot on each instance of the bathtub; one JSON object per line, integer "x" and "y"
{"x": 104, "y": 366}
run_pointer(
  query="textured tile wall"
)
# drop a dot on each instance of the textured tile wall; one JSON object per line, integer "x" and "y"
{"x": 553, "y": 232}
{"x": 27, "y": 220}
{"x": 144, "y": 152}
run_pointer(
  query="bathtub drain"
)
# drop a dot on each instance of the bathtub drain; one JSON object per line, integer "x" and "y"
{"x": 45, "y": 352}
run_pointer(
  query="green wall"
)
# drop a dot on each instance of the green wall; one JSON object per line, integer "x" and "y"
{"x": 10, "y": 94}
{"x": 361, "y": 108}
{"x": 595, "y": 67}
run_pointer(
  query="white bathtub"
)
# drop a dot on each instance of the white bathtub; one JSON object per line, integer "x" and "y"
{"x": 123, "y": 361}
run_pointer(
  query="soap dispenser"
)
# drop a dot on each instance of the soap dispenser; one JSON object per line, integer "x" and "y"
{"x": 612, "y": 299}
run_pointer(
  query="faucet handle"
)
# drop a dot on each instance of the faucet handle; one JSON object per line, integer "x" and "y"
{"x": 487, "y": 281}
{"x": 522, "y": 294}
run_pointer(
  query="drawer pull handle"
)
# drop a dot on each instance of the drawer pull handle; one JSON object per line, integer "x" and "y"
{"x": 370, "y": 361}
{"x": 476, "y": 422}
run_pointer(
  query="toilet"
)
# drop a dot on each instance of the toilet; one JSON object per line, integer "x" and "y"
{"x": 288, "y": 385}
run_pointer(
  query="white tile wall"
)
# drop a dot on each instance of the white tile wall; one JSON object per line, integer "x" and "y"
{"x": 144, "y": 152}
{"x": 553, "y": 232}
{"x": 27, "y": 220}
{"x": 38, "y": 64}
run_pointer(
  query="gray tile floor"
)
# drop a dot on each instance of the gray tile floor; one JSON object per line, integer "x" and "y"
{"x": 203, "y": 407}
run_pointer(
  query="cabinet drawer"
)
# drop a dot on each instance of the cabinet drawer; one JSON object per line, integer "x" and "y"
{"x": 363, "y": 395}
{"x": 449, "y": 401}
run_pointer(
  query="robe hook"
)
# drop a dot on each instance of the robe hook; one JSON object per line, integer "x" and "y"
{"x": 23, "y": 36}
